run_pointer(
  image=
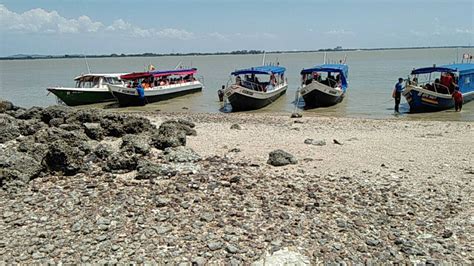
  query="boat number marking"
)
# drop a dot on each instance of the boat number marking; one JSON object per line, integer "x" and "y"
{"x": 247, "y": 92}
{"x": 424, "y": 95}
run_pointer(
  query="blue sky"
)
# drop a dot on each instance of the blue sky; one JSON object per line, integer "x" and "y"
{"x": 119, "y": 26}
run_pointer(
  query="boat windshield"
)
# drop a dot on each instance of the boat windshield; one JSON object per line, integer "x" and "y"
{"x": 112, "y": 80}
{"x": 331, "y": 79}
{"x": 93, "y": 82}
{"x": 439, "y": 82}
{"x": 263, "y": 83}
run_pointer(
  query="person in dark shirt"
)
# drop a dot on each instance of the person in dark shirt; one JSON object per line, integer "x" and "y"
{"x": 458, "y": 99}
{"x": 397, "y": 94}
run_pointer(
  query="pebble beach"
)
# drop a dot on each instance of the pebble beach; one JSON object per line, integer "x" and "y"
{"x": 85, "y": 186}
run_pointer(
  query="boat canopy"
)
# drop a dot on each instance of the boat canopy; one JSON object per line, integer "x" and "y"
{"x": 179, "y": 72}
{"x": 156, "y": 74}
{"x": 463, "y": 69}
{"x": 264, "y": 70}
{"x": 342, "y": 69}
{"x": 87, "y": 77}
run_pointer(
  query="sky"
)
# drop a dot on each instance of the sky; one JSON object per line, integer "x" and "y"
{"x": 56, "y": 27}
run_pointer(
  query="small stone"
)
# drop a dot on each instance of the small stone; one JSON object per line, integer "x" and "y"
{"x": 447, "y": 233}
{"x": 372, "y": 242}
{"x": 235, "y": 179}
{"x": 207, "y": 216}
{"x": 296, "y": 115}
{"x": 281, "y": 158}
{"x": 236, "y": 126}
{"x": 198, "y": 261}
{"x": 213, "y": 246}
{"x": 232, "y": 249}
{"x": 115, "y": 247}
{"x": 37, "y": 255}
{"x": 162, "y": 202}
{"x": 101, "y": 238}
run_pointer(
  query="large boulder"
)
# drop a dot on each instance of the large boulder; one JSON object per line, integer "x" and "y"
{"x": 9, "y": 129}
{"x": 181, "y": 155}
{"x": 169, "y": 135}
{"x": 281, "y": 158}
{"x": 17, "y": 168}
{"x": 94, "y": 131}
{"x": 30, "y": 127}
{"x": 32, "y": 113}
{"x": 84, "y": 116}
{"x": 185, "y": 125}
{"x": 63, "y": 158}
{"x": 56, "y": 111}
{"x": 33, "y": 149}
{"x": 121, "y": 163}
{"x": 6, "y": 106}
{"x": 136, "y": 144}
{"x": 116, "y": 125}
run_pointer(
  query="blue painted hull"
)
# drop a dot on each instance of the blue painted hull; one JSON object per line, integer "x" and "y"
{"x": 426, "y": 102}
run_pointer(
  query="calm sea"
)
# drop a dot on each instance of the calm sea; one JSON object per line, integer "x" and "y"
{"x": 372, "y": 75}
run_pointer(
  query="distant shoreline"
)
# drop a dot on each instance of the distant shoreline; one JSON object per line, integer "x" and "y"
{"x": 241, "y": 52}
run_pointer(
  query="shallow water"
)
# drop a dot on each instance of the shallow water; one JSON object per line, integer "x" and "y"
{"x": 372, "y": 75}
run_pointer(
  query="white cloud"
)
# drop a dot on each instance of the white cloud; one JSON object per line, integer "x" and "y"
{"x": 41, "y": 21}
{"x": 340, "y": 32}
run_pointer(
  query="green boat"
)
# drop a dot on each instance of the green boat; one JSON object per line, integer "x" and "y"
{"x": 90, "y": 88}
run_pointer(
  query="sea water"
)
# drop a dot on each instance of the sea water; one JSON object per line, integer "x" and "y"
{"x": 372, "y": 76}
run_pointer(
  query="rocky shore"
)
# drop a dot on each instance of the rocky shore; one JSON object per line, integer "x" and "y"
{"x": 90, "y": 186}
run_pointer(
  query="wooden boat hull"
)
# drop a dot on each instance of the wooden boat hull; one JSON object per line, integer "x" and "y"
{"x": 74, "y": 97}
{"x": 129, "y": 96}
{"x": 320, "y": 95}
{"x": 422, "y": 100}
{"x": 243, "y": 99}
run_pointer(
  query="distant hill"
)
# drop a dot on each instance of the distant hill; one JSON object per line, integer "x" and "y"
{"x": 240, "y": 52}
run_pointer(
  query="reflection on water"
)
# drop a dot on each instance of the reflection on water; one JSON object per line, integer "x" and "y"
{"x": 372, "y": 76}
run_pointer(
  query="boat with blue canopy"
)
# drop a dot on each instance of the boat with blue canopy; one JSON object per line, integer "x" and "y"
{"x": 152, "y": 86}
{"x": 255, "y": 87}
{"x": 324, "y": 85}
{"x": 431, "y": 88}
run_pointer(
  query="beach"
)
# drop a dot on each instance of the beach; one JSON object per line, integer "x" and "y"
{"x": 197, "y": 188}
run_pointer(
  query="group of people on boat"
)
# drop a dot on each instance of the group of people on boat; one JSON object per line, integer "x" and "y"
{"x": 151, "y": 82}
{"x": 251, "y": 82}
{"x": 446, "y": 84}
{"x": 330, "y": 80}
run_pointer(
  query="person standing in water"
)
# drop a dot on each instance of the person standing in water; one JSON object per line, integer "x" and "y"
{"x": 458, "y": 99}
{"x": 397, "y": 94}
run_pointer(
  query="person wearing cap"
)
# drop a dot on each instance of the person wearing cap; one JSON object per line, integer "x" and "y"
{"x": 397, "y": 94}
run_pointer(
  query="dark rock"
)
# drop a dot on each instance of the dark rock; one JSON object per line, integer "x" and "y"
{"x": 17, "y": 168}
{"x": 236, "y": 126}
{"x": 232, "y": 249}
{"x": 32, "y": 113}
{"x": 169, "y": 135}
{"x": 6, "y": 106}
{"x": 56, "y": 122}
{"x": 136, "y": 144}
{"x": 185, "y": 125}
{"x": 70, "y": 127}
{"x": 235, "y": 150}
{"x": 235, "y": 179}
{"x": 296, "y": 115}
{"x": 9, "y": 129}
{"x": 447, "y": 234}
{"x": 335, "y": 141}
{"x": 181, "y": 154}
{"x": 30, "y": 127}
{"x": 93, "y": 131}
{"x": 372, "y": 242}
{"x": 149, "y": 170}
{"x": 84, "y": 116}
{"x": 281, "y": 158}
{"x": 35, "y": 150}
{"x": 116, "y": 125}
{"x": 56, "y": 111}
{"x": 63, "y": 158}
{"x": 121, "y": 162}
{"x": 103, "y": 151}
